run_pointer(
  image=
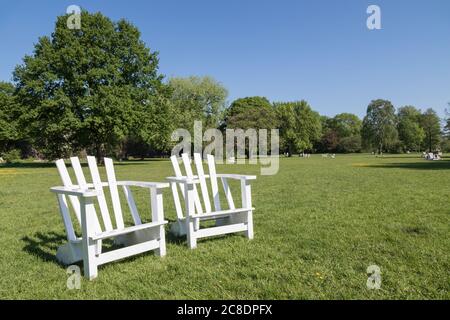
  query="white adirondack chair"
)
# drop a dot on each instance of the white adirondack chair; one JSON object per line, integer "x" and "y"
{"x": 230, "y": 220}
{"x": 136, "y": 239}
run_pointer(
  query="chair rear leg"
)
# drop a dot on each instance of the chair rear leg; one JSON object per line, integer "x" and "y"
{"x": 249, "y": 232}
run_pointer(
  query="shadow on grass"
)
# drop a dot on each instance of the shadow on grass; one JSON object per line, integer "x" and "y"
{"x": 44, "y": 245}
{"x": 425, "y": 165}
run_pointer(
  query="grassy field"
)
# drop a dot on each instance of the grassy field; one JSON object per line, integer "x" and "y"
{"x": 319, "y": 223}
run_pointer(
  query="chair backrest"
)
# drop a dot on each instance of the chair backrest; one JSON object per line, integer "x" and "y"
{"x": 98, "y": 185}
{"x": 204, "y": 206}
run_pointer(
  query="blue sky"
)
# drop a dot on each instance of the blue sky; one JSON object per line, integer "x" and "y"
{"x": 318, "y": 50}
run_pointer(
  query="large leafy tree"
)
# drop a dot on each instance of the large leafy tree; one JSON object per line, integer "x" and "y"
{"x": 250, "y": 113}
{"x": 430, "y": 123}
{"x": 197, "y": 98}
{"x": 379, "y": 125}
{"x": 10, "y": 110}
{"x": 91, "y": 88}
{"x": 341, "y": 133}
{"x": 410, "y": 133}
{"x": 346, "y": 124}
{"x": 300, "y": 126}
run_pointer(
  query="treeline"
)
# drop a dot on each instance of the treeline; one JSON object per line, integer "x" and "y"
{"x": 98, "y": 90}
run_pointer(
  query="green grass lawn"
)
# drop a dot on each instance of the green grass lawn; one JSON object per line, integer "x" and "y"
{"x": 319, "y": 223}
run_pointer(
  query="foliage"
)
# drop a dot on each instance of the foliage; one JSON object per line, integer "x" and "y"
{"x": 12, "y": 156}
{"x": 10, "y": 111}
{"x": 379, "y": 125}
{"x": 251, "y": 112}
{"x": 197, "y": 98}
{"x": 90, "y": 88}
{"x": 430, "y": 123}
{"x": 350, "y": 144}
{"x": 410, "y": 133}
{"x": 300, "y": 126}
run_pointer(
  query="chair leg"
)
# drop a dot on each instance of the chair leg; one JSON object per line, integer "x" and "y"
{"x": 89, "y": 264}
{"x": 249, "y": 232}
{"x": 162, "y": 242}
{"x": 191, "y": 239}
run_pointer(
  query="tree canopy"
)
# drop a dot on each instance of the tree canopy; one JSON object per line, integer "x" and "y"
{"x": 410, "y": 132}
{"x": 301, "y": 126}
{"x": 90, "y": 88}
{"x": 251, "y": 112}
{"x": 430, "y": 123}
{"x": 379, "y": 125}
{"x": 197, "y": 98}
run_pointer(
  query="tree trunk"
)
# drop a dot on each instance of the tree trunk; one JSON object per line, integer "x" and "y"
{"x": 99, "y": 150}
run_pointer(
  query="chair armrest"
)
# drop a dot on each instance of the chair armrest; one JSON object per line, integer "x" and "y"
{"x": 183, "y": 180}
{"x": 236, "y": 176}
{"x": 157, "y": 185}
{"x": 74, "y": 192}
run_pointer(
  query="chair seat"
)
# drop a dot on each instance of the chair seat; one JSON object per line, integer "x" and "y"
{"x": 115, "y": 233}
{"x": 212, "y": 215}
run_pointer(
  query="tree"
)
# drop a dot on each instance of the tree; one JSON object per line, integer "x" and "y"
{"x": 343, "y": 126}
{"x": 430, "y": 123}
{"x": 350, "y": 144}
{"x": 91, "y": 88}
{"x": 197, "y": 98}
{"x": 346, "y": 125}
{"x": 300, "y": 126}
{"x": 379, "y": 125}
{"x": 251, "y": 112}
{"x": 410, "y": 133}
{"x": 10, "y": 110}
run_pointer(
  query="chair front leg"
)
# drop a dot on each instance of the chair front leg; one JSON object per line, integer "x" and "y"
{"x": 88, "y": 230}
{"x": 246, "y": 195}
{"x": 158, "y": 215}
{"x": 190, "y": 210}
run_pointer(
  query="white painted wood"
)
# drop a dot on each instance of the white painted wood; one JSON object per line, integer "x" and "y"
{"x": 201, "y": 176}
{"x": 64, "y": 210}
{"x": 132, "y": 205}
{"x": 177, "y": 170}
{"x": 127, "y": 252}
{"x": 215, "y": 231}
{"x": 136, "y": 239}
{"x": 82, "y": 184}
{"x": 246, "y": 197}
{"x": 213, "y": 178}
{"x": 176, "y": 200}
{"x": 112, "y": 181}
{"x": 190, "y": 210}
{"x": 89, "y": 247}
{"x": 67, "y": 182}
{"x": 221, "y": 213}
{"x": 190, "y": 174}
{"x": 92, "y": 163}
{"x": 118, "y": 232}
{"x": 228, "y": 194}
{"x": 78, "y": 172}
{"x": 157, "y": 216}
{"x": 227, "y": 221}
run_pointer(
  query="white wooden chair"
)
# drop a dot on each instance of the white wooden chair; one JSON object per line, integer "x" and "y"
{"x": 230, "y": 220}
{"x": 136, "y": 239}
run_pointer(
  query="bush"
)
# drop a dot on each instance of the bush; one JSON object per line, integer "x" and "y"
{"x": 12, "y": 156}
